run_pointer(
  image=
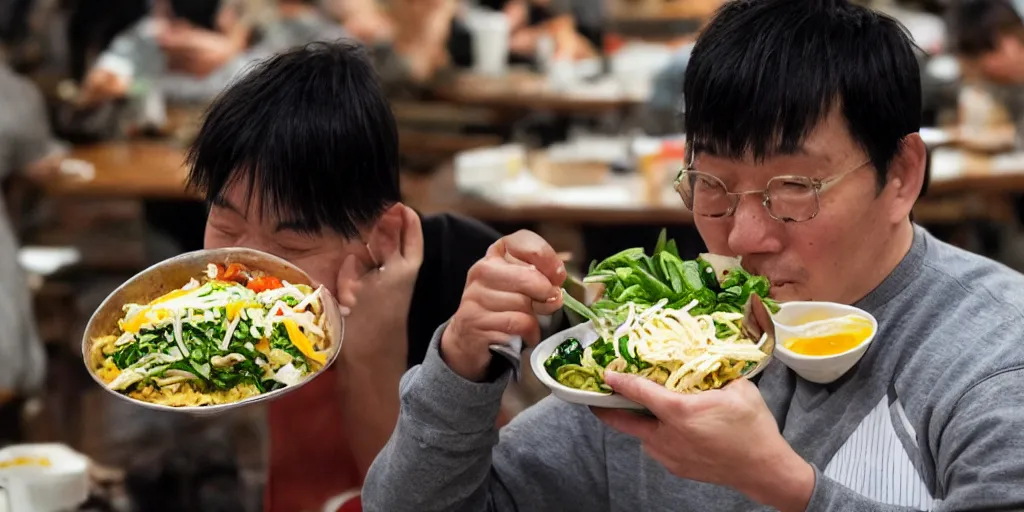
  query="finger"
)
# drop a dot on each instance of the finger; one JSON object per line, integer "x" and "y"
{"x": 349, "y": 282}
{"x": 628, "y": 422}
{"x": 532, "y": 249}
{"x": 547, "y": 308}
{"x": 656, "y": 398}
{"x": 498, "y": 300}
{"x": 514, "y": 323}
{"x": 499, "y": 275}
{"x": 412, "y": 236}
{"x": 385, "y": 240}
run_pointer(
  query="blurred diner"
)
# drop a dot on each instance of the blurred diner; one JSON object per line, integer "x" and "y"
{"x": 385, "y": 146}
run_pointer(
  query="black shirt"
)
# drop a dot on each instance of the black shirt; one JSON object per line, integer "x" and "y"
{"x": 451, "y": 245}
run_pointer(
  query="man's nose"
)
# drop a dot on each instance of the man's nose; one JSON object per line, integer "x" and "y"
{"x": 753, "y": 229}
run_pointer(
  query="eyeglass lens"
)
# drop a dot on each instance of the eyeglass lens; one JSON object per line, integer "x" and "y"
{"x": 788, "y": 198}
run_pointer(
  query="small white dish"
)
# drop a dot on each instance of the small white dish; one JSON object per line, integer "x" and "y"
{"x": 63, "y": 484}
{"x": 817, "y": 369}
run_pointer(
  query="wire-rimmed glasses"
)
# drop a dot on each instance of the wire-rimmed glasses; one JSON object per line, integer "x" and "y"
{"x": 786, "y": 198}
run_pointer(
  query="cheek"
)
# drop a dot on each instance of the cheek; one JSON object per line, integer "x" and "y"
{"x": 322, "y": 268}
{"x": 715, "y": 233}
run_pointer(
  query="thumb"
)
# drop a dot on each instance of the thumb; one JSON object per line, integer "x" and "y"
{"x": 640, "y": 390}
{"x": 412, "y": 236}
{"x": 348, "y": 284}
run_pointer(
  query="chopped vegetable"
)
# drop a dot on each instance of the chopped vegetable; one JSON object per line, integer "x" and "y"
{"x": 717, "y": 283}
{"x": 264, "y": 283}
{"x": 569, "y": 352}
{"x": 302, "y": 342}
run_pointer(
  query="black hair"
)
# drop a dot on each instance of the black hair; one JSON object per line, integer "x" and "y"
{"x": 311, "y": 131}
{"x": 764, "y": 74}
{"x": 201, "y": 13}
{"x": 975, "y": 26}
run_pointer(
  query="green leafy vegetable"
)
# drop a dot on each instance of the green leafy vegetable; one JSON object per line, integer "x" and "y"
{"x": 716, "y": 283}
{"x": 569, "y": 352}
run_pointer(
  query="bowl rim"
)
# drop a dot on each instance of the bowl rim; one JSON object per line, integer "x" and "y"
{"x": 537, "y": 362}
{"x": 780, "y": 344}
{"x": 211, "y": 255}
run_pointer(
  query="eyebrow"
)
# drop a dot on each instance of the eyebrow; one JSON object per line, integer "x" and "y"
{"x": 220, "y": 202}
{"x": 298, "y": 226}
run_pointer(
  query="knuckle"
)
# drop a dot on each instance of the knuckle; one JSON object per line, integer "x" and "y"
{"x": 480, "y": 270}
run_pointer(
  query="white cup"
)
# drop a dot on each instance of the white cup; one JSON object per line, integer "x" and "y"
{"x": 491, "y": 31}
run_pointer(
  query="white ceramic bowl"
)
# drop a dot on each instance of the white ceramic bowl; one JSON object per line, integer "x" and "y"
{"x": 817, "y": 369}
{"x": 63, "y": 485}
{"x": 586, "y": 335}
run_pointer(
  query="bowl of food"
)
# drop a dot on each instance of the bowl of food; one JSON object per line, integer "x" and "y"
{"x": 821, "y": 341}
{"x": 212, "y": 330}
{"x": 42, "y": 478}
{"x": 690, "y": 326}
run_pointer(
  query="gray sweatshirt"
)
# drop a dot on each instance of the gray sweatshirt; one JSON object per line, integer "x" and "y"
{"x": 932, "y": 418}
{"x": 25, "y": 140}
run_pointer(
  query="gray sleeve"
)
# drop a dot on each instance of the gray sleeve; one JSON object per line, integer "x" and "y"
{"x": 980, "y": 461}
{"x": 33, "y": 139}
{"x": 446, "y": 453}
{"x": 133, "y": 53}
{"x": 191, "y": 89}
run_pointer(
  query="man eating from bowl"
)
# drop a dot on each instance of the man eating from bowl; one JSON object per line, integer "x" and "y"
{"x": 299, "y": 159}
{"x": 803, "y": 117}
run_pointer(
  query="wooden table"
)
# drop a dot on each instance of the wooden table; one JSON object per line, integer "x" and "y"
{"x": 152, "y": 170}
{"x": 128, "y": 170}
{"x": 437, "y": 193}
{"x": 522, "y": 91}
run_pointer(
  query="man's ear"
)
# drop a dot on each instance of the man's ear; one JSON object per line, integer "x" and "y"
{"x": 906, "y": 176}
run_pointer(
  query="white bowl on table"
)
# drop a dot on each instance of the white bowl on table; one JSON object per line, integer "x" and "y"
{"x": 62, "y": 484}
{"x": 817, "y": 369}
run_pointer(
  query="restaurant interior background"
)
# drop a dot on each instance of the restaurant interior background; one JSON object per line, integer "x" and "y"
{"x": 581, "y": 150}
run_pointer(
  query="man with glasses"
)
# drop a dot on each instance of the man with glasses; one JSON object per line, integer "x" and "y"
{"x": 802, "y": 121}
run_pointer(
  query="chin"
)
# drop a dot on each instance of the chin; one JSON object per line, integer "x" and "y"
{"x": 787, "y": 292}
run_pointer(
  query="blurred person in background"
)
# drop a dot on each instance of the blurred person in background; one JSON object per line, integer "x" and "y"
{"x": 533, "y": 20}
{"x": 28, "y": 147}
{"x": 93, "y": 24}
{"x": 407, "y": 41}
{"x": 988, "y": 38}
{"x": 188, "y": 49}
{"x": 299, "y": 159}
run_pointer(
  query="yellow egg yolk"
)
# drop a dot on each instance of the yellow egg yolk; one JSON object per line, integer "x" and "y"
{"x": 139, "y": 320}
{"x": 844, "y": 339}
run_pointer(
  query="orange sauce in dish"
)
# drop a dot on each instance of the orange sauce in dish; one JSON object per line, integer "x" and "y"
{"x": 842, "y": 340}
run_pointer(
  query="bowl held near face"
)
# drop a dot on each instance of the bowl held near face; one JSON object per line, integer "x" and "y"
{"x": 757, "y": 323}
{"x": 174, "y": 273}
